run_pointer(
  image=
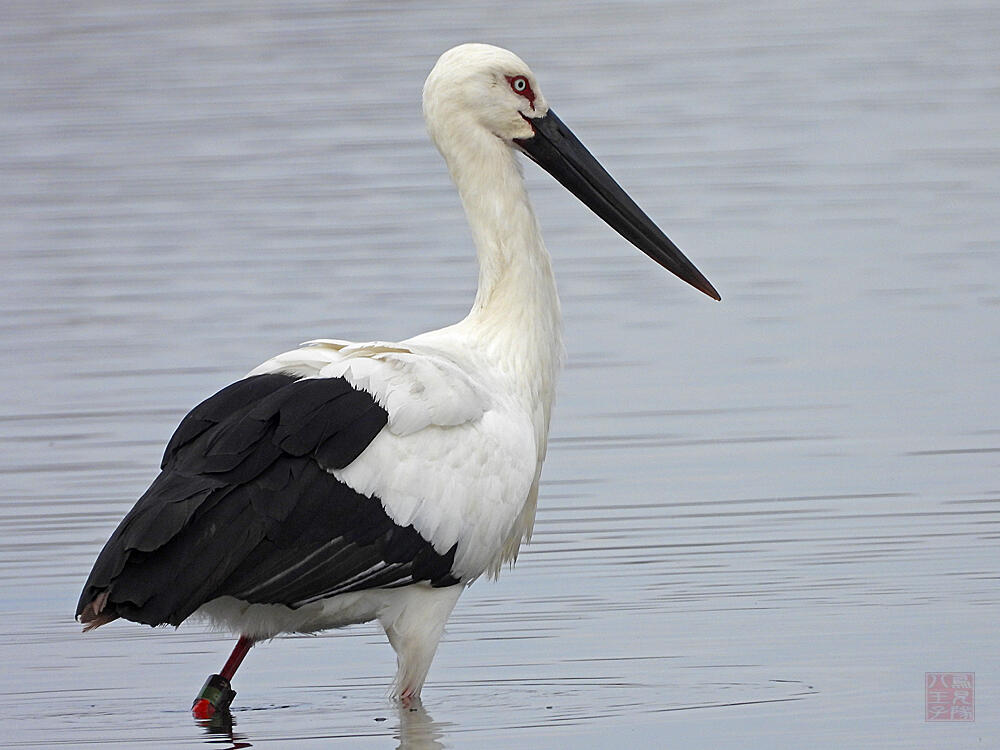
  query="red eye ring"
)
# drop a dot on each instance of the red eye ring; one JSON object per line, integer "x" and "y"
{"x": 520, "y": 86}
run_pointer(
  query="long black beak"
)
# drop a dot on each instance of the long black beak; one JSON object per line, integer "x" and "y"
{"x": 556, "y": 150}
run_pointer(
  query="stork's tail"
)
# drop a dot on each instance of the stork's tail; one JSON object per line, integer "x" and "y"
{"x": 96, "y": 613}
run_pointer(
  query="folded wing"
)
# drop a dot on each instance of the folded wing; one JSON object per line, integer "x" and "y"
{"x": 246, "y": 505}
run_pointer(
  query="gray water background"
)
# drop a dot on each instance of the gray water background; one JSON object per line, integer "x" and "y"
{"x": 761, "y": 521}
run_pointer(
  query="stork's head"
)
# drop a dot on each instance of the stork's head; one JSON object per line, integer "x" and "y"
{"x": 482, "y": 85}
{"x": 476, "y": 91}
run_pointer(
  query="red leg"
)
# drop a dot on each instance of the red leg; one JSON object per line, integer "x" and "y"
{"x": 242, "y": 648}
{"x": 217, "y": 693}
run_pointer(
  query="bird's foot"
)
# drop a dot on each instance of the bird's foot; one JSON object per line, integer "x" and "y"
{"x": 215, "y": 696}
{"x": 410, "y": 699}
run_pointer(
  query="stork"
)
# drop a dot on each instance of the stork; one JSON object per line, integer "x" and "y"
{"x": 340, "y": 482}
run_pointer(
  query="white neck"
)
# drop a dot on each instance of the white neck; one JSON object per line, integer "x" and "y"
{"x": 515, "y": 317}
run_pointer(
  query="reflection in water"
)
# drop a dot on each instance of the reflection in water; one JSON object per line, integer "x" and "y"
{"x": 220, "y": 730}
{"x": 417, "y": 730}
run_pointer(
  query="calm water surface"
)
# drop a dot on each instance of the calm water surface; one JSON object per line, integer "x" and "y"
{"x": 761, "y": 521}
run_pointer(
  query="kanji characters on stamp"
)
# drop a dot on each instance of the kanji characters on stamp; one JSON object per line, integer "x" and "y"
{"x": 950, "y": 696}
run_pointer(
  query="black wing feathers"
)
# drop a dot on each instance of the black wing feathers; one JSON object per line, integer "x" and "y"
{"x": 245, "y": 506}
{"x": 227, "y": 404}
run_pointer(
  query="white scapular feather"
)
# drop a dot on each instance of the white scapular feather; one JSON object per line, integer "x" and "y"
{"x": 454, "y": 461}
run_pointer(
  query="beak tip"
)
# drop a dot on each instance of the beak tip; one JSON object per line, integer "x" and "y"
{"x": 699, "y": 282}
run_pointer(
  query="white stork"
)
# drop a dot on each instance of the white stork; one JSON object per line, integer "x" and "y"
{"x": 343, "y": 482}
